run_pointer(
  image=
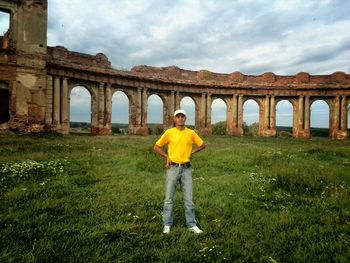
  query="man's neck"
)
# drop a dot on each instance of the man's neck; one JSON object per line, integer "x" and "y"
{"x": 181, "y": 128}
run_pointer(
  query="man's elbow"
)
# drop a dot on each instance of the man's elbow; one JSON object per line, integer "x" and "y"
{"x": 156, "y": 148}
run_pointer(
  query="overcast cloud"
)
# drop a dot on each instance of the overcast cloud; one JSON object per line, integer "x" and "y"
{"x": 284, "y": 37}
{"x": 253, "y": 37}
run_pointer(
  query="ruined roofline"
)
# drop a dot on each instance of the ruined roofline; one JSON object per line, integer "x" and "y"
{"x": 60, "y": 53}
{"x": 174, "y": 72}
{"x": 62, "y": 57}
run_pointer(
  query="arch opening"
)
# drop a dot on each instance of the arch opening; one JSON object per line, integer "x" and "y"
{"x": 4, "y": 103}
{"x": 218, "y": 117}
{"x": 319, "y": 118}
{"x": 155, "y": 112}
{"x": 188, "y": 104}
{"x": 80, "y": 110}
{"x": 120, "y": 113}
{"x": 284, "y": 117}
{"x": 4, "y": 29}
{"x": 250, "y": 118}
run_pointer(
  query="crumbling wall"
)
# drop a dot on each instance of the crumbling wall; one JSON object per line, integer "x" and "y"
{"x": 23, "y": 62}
{"x": 61, "y": 55}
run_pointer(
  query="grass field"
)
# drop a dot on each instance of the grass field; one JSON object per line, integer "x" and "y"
{"x": 80, "y": 198}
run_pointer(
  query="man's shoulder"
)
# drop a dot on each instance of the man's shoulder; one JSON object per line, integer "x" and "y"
{"x": 170, "y": 129}
{"x": 190, "y": 131}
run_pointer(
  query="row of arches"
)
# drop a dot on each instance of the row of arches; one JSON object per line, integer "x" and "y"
{"x": 80, "y": 110}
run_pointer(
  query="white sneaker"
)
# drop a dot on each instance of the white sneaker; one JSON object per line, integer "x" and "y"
{"x": 195, "y": 230}
{"x": 166, "y": 230}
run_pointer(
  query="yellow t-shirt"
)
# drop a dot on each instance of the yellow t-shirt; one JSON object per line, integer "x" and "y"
{"x": 179, "y": 143}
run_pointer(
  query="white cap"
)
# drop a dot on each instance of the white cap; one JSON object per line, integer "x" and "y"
{"x": 179, "y": 112}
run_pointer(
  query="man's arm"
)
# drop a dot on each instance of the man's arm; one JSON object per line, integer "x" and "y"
{"x": 160, "y": 151}
{"x": 200, "y": 148}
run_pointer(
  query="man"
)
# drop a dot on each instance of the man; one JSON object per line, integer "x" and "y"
{"x": 179, "y": 140}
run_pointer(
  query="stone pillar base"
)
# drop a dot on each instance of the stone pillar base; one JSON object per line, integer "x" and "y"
{"x": 24, "y": 127}
{"x": 139, "y": 130}
{"x": 4, "y": 127}
{"x": 267, "y": 133}
{"x": 302, "y": 134}
{"x": 339, "y": 135}
{"x": 65, "y": 128}
{"x": 35, "y": 127}
{"x": 235, "y": 132}
{"x": 205, "y": 131}
{"x": 101, "y": 131}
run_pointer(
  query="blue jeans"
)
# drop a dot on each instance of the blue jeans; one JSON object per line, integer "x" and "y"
{"x": 183, "y": 175}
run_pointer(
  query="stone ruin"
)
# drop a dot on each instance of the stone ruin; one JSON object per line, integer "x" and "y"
{"x": 36, "y": 81}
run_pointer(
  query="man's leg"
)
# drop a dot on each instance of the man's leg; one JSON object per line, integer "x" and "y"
{"x": 186, "y": 185}
{"x": 170, "y": 187}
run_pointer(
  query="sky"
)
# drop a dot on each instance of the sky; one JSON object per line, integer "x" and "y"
{"x": 250, "y": 36}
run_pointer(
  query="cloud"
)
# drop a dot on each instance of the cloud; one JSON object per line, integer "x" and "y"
{"x": 252, "y": 37}
{"x": 284, "y": 37}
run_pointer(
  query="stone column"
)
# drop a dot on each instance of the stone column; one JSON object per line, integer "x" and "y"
{"x": 49, "y": 106}
{"x": 140, "y": 103}
{"x": 133, "y": 112}
{"x": 177, "y": 100}
{"x": 230, "y": 118}
{"x": 94, "y": 109}
{"x": 295, "y": 117}
{"x": 56, "y": 103}
{"x": 144, "y": 108}
{"x": 234, "y": 111}
{"x": 302, "y": 115}
{"x": 172, "y": 103}
{"x": 240, "y": 115}
{"x": 267, "y": 126}
{"x": 171, "y": 109}
{"x": 101, "y": 105}
{"x": 208, "y": 113}
{"x": 141, "y": 112}
{"x": 64, "y": 107}
{"x": 344, "y": 114}
{"x": 138, "y": 108}
{"x": 263, "y": 116}
{"x": 201, "y": 122}
{"x": 338, "y": 129}
{"x": 307, "y": 114}
{"x": 266, "y": 110}
{"x": 273, "y": 113}
{"x": 272, "y": 116}
{"x": 108, "y": 109}
{"x": 334, "y": 117}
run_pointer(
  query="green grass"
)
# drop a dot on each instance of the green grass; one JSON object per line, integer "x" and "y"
{"x": 257, "y": 199}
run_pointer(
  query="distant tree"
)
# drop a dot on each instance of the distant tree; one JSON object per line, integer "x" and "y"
{"x": 284, "y": 134}
{"x": 245, "y": 128}
{"x": 219, "y": 128}
{"x": 116, "y": 130}
{"x": 157, "y": 129}
{"x": 254, "y": 129}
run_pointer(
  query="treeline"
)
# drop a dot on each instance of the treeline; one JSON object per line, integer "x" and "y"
{"x": 218, "y": 128}
{"x": 120, "y": 128}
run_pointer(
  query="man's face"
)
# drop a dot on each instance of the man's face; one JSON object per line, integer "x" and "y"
{"x": 180, "y": 119}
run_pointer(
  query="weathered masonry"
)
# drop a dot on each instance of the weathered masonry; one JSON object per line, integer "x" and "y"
{"x": 36, "y": 82}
